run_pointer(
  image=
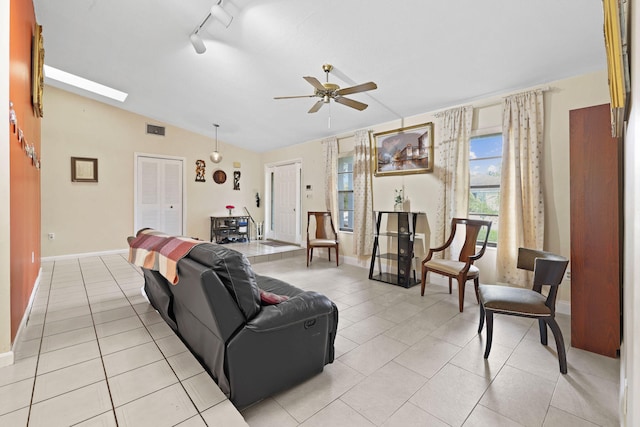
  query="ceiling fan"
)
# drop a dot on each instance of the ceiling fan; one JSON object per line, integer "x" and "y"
{"x": 328, "y": 91}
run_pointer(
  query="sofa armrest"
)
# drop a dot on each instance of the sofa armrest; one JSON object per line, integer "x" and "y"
{"x": 298, "y": 309}
{"x": 280, "y": 347}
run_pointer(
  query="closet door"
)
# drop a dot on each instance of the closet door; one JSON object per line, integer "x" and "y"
{"x": 159, "y": 194}
{"x": 595, "y": 188}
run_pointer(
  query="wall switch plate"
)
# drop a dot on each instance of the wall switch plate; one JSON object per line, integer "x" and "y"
{"x": 51, "y": 236}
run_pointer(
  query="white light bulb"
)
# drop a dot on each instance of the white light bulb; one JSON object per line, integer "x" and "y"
{"x": 215, "y": 157}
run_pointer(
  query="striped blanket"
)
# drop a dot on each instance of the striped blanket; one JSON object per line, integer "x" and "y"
{"x": 155, "y": 250}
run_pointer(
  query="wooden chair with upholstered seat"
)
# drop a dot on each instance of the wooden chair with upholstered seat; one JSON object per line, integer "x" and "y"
{"x": 325, "y": 235}
{"x": 548, "y": 270}
{"x": 462, "y": 268}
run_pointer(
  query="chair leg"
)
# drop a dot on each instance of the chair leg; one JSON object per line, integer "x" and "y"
{"x": 423, "y": 280}
{"x": 557, "y": 334}
{"x": 337, "y": 256}
{"x": 449, "y": 284}
{"x": 308, "y": 256}
{"x": 476, "y": 285}
{"x": 543, "y": 331}
{"x": 489, "y": 317}
{"x": 329, "y": 252}
{"x": 481, "y": 318}
{"x": 461, "y": 285}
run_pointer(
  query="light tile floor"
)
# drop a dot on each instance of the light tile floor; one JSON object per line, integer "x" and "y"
{"x": 95, "y": 353}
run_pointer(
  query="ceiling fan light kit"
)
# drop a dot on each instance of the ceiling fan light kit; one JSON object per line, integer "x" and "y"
{"x": 216, "y": 12}
{"x": 327, "y": 91}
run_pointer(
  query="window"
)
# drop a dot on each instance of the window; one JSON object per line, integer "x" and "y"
{"x": 485, "y": 165}
{"x": 345, "y": 193}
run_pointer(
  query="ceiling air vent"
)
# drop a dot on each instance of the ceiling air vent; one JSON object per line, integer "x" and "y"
{"x": 155, "y": 130}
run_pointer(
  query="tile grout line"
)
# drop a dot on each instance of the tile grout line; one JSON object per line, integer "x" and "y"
{"x": 104, "y": 370}
{"x": 44, "y": 322}
{"x": 179, "y": 381}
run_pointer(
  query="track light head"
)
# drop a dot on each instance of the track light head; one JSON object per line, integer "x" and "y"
{"x": 197, "y": 43}
{"x": 221, "y": 15}
{"x": 216, "y": 12}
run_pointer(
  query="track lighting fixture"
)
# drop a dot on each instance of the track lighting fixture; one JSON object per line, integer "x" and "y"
{"x": 197, "y": 43}
{"x": 216, "y": 157}
{"x": 217, "y": 12}
{"x": 221, "y": 15}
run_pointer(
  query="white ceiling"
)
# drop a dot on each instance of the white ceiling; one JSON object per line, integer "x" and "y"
{"x": 424, "y": 55}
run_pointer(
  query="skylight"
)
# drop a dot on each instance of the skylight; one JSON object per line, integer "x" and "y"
{"x": 82, "y": 83}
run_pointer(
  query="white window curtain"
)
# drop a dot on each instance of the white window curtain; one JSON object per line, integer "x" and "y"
{"x": 330, "y": 153}
{"x": 362, "y": 195}
{"x": 521, "y": 198}
{"x": 452, "y": 168}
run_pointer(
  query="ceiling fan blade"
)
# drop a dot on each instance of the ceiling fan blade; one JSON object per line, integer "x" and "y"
{"x": 291, "y": 97}
{"x": 351, "y": 103}
{"x": 315, "y": 83}
{"x": 358, "y": 88}
{"x": 316, "y": 106}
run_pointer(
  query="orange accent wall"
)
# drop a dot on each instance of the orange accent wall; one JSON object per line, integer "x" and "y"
{"x": 25, "y": 178}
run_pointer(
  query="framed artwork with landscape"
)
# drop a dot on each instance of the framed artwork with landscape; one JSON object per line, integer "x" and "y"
{"x": 404, "y": 151}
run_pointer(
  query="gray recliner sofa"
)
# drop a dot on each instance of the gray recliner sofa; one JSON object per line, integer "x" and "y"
{"x": 252, "y": 350}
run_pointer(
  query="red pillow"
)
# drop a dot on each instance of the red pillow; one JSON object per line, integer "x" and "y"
{"x": 269, "y": 298}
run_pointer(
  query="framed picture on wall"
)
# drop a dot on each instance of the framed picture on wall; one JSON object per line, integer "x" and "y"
{"x": 404, "y": 151}
{"x": 37, "y": 75}
{"x": 84, "y": 169}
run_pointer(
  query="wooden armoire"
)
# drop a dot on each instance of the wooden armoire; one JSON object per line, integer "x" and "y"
{"x": 596, "y": 231}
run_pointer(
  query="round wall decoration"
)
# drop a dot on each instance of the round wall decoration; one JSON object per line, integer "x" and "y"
{"x": 219, "y": 177}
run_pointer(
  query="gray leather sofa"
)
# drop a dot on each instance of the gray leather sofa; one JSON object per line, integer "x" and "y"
{"x": 251, "y": 350}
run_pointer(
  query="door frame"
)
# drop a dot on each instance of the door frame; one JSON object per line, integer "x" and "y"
{"x": 268, "y": 169}
{"x": 136, "y": 156}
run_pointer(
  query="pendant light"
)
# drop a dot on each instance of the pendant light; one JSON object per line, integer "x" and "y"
{"x": 216, "y": 157}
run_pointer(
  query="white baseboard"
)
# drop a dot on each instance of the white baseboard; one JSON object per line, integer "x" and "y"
{"x": 27, "y": 311}
{"x": 84, "y": 255}
{"x": 6, "y": 359}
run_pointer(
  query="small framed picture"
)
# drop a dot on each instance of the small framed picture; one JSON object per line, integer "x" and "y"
{"x": 84, "y": 169}
{"x": 404, "y": 151}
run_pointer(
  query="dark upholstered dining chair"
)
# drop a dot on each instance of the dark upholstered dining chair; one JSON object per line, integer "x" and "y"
{"x": 548, "y": 269}
{"x": 462, "y": 268}
{"x": 325, "y": 235}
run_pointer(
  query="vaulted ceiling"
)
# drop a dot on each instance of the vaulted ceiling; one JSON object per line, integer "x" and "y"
{"x": 423, "y": 55}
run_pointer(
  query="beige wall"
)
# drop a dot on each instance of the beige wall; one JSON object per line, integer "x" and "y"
{"x": 76, "y": 126}
{"x": 563, "y": 96}
{"x": 94, "y": 217}
{"x": 630, "y": 349}
{"x": 5, "y": 258}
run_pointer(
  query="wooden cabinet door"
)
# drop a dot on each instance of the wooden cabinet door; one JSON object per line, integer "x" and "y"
{"x": 595, "y": 189}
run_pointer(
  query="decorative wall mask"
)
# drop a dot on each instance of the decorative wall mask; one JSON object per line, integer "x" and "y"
{"x": 200, "y": 170}
{"x": 236, "y": 180}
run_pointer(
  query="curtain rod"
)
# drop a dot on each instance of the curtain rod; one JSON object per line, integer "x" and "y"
{"x": 492, "y": 101}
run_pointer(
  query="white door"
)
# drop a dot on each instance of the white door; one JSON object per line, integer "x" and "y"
{"x": 159, "y": 194}
{"x": 284, "y": 210}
